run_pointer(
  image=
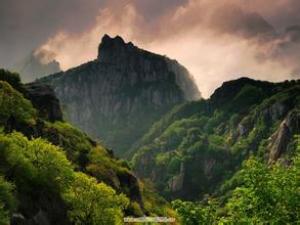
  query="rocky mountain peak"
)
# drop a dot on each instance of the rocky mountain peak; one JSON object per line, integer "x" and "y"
{"x": 118, "y": 96}
{"x": 112, "y": 48}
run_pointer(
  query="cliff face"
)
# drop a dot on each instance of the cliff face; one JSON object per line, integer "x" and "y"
{"x": 120, "y": 94}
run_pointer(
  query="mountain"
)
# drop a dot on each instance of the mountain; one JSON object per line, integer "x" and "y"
{"x": 53, "y": 173}
{"x": 119, "y": 95}
{"x": 38, "y": 64}
{"x": 195, "y": 148}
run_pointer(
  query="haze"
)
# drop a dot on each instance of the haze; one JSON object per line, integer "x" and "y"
{"x": 214, "y": 40}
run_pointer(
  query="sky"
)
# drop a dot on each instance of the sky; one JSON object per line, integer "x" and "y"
{"x": 216, "y": 40}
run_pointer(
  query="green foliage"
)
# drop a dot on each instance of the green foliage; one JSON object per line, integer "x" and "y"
{"x": 93, "y": 203}
{"x": 178, "y": 112}
{"x": 41, "y": 176}
{"x": 12, "y": 78}
{"x": 7, "y": 201}
{"x": 248, "y": 96}
{"x": 267, "y": 196}
{"x": 213, "y": 137}
{"x": 14, "y": 105}
{"x": 104, "y": 168}
{"x": 34, "y": 162}
{"x": 154, "y": 204}
{"x": 263, "y": 195}
{"x": 135, "y": 209}
{"x": 76, "y": 144}
{"x": 193, "y": 214}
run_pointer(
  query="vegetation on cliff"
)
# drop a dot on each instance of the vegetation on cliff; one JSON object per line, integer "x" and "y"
{"x": 193, "y": 149}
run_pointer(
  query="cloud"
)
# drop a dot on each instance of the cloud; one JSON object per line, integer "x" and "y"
{"x": 25, "y": 25}
{"x": 215, "y": 40}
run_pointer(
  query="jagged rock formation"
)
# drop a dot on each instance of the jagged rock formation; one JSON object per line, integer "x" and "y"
{"x": 38, "y": 64}
{"x": 119, "y": 95}
{"x": 43, "y": 98}
{"x": 194, "y": 148}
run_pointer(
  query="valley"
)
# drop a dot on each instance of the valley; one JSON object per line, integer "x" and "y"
{"x": 129, "y": 135}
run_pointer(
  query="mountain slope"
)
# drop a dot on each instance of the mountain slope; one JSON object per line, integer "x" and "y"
{"x": 52, "y": 173}
{"x": 119, "y": 95}
{"x": 192, "y": 150}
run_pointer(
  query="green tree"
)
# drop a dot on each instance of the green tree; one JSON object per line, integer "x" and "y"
{"x": 196, "y": 214}
{"x": 7, "y": 201}
{"x": 265, "y": 194}
{"x": 93, "y": 203}
{"x": 269, "y": 194}
{"x": 34, "y": 162}
{"x": 14, "y": 105}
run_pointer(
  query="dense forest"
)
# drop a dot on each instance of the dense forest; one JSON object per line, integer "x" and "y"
{"x": 232, "y": 159}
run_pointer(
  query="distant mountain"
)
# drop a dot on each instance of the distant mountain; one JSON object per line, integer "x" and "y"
{"x": 118, "y": 96}
{"x": 38, "y": 64}
{"x": 196, "y": 147}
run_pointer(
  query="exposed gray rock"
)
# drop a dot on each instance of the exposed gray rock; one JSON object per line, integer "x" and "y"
{"x": 119, "y": 95}
{"x": 176, "y": 182}
{"x": 43, "y": 98}
{"x": 281, "y": 138}
{"x": 18, "y": 219}
{"x": 41, "y": 218}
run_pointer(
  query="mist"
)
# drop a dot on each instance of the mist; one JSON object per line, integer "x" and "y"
{"x": 215, "y": 40}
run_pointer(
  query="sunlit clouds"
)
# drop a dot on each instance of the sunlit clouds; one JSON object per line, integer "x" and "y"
{"x": 214, "y": 40}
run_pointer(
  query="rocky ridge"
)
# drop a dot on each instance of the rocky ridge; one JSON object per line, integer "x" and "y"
{"x": 119, "y": 95}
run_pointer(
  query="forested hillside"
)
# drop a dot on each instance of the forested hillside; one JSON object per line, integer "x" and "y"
{"x": 52, "y": 173}
{"x": 235, "y": 155}
{"x": 197, "y": 146}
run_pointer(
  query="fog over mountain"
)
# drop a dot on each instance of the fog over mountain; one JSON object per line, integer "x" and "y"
{"x": 215, "y": 40}
{"x": 36, "y": 65}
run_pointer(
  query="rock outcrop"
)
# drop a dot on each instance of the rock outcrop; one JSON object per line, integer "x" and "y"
{"x": 279, "y": 141}
{"x": 44, "y": 100}
{"x": 119, "y": 95}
